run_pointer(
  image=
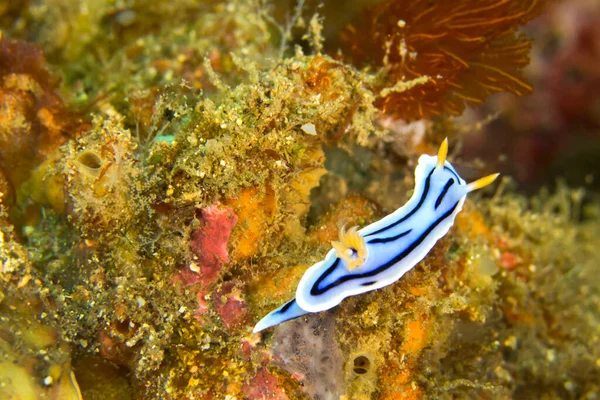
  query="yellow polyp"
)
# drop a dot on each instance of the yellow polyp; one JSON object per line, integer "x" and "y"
{"x": 351, "y": 248}
{"x": 482, "y": 182}
{"x": 442, "y": 153}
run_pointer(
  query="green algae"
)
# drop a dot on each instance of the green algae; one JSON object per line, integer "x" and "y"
{"x": 35, "y": 357}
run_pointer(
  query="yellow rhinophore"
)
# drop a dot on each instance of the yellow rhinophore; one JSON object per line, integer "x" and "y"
{"x": 442, "y": 154}
{"x": 482, "y": 182}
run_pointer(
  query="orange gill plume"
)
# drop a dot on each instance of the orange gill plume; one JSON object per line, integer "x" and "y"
{"x": 467, "y": 49}
{"x": 351, "y": 248}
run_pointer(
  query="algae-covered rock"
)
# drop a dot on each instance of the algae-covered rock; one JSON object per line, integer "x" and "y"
{"x": 35, "y": 360}
{"x": 230, "y": 143}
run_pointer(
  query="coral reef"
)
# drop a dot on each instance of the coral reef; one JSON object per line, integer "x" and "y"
{"x": 227, "y": 145}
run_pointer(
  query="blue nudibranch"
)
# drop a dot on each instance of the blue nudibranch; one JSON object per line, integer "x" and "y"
{"x": 381, "y": 253}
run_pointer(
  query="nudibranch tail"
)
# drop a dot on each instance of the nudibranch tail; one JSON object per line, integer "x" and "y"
{"x": 289, "y": 310}
{"x": 482, "y": 182}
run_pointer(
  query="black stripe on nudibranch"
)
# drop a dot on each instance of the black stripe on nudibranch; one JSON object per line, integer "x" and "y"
{"x": 286, "y": 306}
{"x": 444, "y": 191}
{"x": 316, "y": 291}
{"x": 390, "y": 239}
{"x": 411, "y": 212}
{"x": 453, "y": 172}
{"x": 368, "y": 283}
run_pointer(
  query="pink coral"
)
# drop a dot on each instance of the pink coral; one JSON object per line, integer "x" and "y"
{"x": 209, "y": 246}
{"x": 209, "y": 242}
{"x": 263, "y": 386}
{"x": 247, "y": 346}
{"x": 186, "y": 277}
{"x": 232, "y": 308}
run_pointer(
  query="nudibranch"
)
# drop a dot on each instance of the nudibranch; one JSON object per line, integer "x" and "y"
{"x": 382, "y": 252}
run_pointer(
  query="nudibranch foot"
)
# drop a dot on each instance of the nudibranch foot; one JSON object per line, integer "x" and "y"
{"x": 382, "y": 252}
{"x": 286, "y": 312}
